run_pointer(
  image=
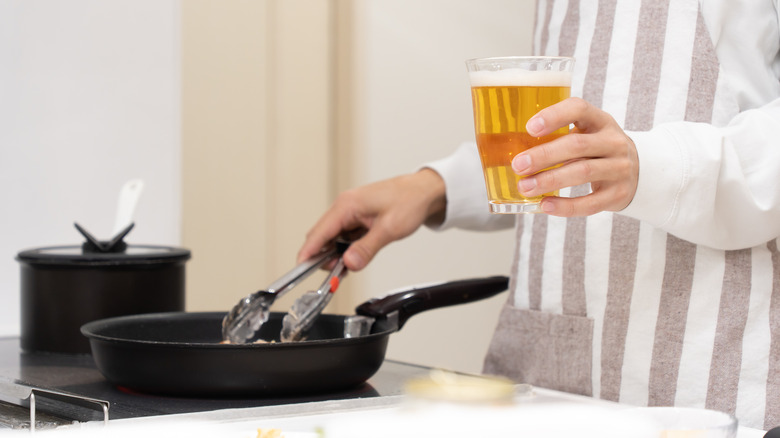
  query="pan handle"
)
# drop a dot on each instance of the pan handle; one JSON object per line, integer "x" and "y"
{"x": 413, "y": 301}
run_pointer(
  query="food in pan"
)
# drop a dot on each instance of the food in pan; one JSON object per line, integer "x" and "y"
{"x": 259, "y": 341}
{"x": 269, "y": 433}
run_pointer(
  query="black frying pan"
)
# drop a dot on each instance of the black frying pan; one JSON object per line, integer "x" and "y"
{"x": 180, "y": 353}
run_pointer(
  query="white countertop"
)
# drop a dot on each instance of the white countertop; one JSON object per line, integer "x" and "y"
{"x": 306, "y": 419}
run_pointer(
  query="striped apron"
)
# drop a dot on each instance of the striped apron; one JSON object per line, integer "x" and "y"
{"x": 611, "y": 307}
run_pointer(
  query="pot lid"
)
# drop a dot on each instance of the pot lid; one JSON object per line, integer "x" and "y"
{"x": 96, "y": 252}
{"x": 132, "y": 255}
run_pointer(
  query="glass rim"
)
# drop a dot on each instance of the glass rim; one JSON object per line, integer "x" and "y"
{"x": 529, "y": 63}
{"x": 520, "y": 58}
{"x": 521, "y": 71}
{"x": 529, "y": 58}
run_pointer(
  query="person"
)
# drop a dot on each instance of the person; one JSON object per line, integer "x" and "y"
{"x": 654, "y": 279}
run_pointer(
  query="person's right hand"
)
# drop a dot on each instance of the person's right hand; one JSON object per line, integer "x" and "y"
{"x": 382, "y": 212}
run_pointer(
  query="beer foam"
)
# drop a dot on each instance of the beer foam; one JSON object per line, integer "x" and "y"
{"x": 518, "y": 77}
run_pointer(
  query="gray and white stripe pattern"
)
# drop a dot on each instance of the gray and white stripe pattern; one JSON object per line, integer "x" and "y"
{"x": 672, "y": 323}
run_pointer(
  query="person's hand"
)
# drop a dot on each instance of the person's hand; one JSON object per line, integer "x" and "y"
{"x": 382, "y": 212}
{"x": 597, "y": 151}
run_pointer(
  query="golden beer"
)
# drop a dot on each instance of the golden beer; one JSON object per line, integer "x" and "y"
{"x": 503, "y": 102}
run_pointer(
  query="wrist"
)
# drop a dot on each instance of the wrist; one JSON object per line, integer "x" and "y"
{"x": 434, "y": 189}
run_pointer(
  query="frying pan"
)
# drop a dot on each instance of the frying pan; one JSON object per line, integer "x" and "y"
{"x": 179, "y": 353}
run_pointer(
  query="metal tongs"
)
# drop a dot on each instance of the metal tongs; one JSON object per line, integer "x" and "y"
{"x": 243, "y": 321}
{"x": 299, "y": 320}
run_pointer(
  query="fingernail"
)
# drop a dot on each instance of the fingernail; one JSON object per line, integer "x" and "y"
{"x": 353, "y": 260}
{"x": 535, "y": 125}
{"x": 527, "y": 184}
{"x": 548, "y": 207}
{"x": 521, "y": 163}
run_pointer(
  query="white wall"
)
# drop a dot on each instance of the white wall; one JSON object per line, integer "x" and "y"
{"x": 89, "y": 98}
{"x": 412, "y": 105}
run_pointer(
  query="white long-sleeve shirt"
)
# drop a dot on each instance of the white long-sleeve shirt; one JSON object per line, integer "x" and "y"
{"x": 676, "y": 299}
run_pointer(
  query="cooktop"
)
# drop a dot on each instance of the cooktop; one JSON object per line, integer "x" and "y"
{"x": 68, "y": 387}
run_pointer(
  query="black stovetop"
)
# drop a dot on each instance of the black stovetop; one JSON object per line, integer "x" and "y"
{"x": 76, "y": 374}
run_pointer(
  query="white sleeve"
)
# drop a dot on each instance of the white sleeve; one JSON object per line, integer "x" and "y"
{"x": 713, "y": 186}
{"x": 467, "y": 205}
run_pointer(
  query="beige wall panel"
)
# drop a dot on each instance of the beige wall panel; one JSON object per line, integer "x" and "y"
{"x": 224, "y": 160}
{"x": 256, "y": 140}
{"x": 298, "y": 185}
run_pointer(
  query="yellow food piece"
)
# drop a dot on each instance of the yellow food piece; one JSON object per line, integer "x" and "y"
{"x": 269, "y": 433}
{"x": 443, "y": 385}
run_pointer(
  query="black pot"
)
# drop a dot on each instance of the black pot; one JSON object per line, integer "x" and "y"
{"x": 64, "y": 287}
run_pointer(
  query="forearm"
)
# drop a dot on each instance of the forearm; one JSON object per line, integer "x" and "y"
{"x": 465, "y": 199}
{"x": 712, "y": 186}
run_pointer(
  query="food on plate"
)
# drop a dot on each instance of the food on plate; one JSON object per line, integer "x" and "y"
{"x": 441, "y": 385}
{"x": 269, "y": 433}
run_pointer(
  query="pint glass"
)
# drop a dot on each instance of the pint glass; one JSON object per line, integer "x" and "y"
{"x": 506, "y": 92}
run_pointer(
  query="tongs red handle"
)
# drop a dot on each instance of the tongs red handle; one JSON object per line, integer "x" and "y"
{"x": 300, "y": 319}
{"x": 245, "y": 318}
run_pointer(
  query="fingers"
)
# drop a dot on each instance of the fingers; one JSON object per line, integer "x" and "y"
{"x": 596, "y": 134}
{"x": 359, "y": 253}
{"x": 574, "y": 173}
{"x": 323, "y": 232}
{"x": 345, "y": 218}
{"x": 579, "y": 112}
{"x": 577, "y": 145}
{"x": 363, "y": 250}
{"x": 381, "y": 213}
{"x": 383, "y": 230}
{"x": 569, "y": 175}
{"x": 330, "y": 226}
{"x": 598, "y": 201}
{"x": 597, "y": 151}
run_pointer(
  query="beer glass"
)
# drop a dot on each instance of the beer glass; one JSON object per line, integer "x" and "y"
{"x": 506, "y": 92}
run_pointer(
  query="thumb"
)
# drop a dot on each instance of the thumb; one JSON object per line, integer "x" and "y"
{"x": 363, "y": 250}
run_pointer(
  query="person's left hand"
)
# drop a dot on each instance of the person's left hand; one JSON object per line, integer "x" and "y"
{"x": 597, "y": 151}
